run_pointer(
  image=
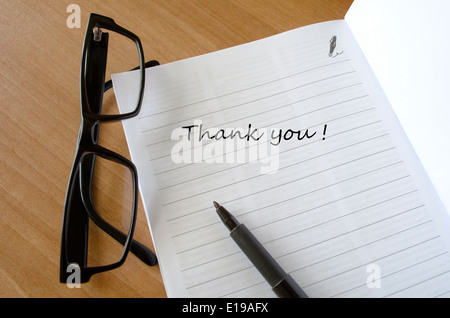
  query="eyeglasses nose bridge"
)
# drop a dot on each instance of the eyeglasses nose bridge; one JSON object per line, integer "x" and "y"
{"x": 89, "y": 130}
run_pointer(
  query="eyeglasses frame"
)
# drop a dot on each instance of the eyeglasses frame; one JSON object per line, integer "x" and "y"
{"x": 75, "y": 225}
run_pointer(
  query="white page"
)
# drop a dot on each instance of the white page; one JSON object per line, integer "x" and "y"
{"x": 405, "y": 44}
{"x": 338, "y": 207}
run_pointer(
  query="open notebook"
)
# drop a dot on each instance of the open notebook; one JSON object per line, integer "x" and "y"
{"x": 316, "y": 165}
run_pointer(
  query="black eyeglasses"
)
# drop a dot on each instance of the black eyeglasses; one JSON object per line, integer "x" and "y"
{"x": 94, "y": 165}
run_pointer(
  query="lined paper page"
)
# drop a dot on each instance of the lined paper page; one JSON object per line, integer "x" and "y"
{"x": 340, "y": 201}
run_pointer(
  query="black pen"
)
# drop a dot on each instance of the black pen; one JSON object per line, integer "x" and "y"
{"x": 282, "y": 284}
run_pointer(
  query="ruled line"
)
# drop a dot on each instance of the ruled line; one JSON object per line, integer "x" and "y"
{"x": 316, "y": 125}
{"x": 309, "y": 228}
{"x": 308, "y": 210}
{"x": 284, "y": 151}
{"x": 291, "y": 181}
{"x": 364, "y": 245}
{"x": 280, "y": 169}
{"x": 272, "y": 109}
{"x": 418, "y": 283}
{"x": 196, "y": 247}
{"x": 343, "y": 234}
{"x": 303, "y": 194}
{"x": 367, "y": 263}
{"x": 272, "y": 125}
{"x": 305, "y": 286}
{"x": 399, "y": 271}
{"x": 336, "y": 218}
{"x": 244, "y": 89}
{"x": 253, "y": 101}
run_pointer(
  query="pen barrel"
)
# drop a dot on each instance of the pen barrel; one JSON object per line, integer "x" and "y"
{"x": 288, "y": 288}
{"x": 282, "y": 284}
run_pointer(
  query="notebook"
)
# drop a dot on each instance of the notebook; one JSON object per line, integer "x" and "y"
{"x": 294, "y": 135}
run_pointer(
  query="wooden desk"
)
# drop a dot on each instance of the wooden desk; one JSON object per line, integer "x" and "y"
{"x": 40, "y": 117}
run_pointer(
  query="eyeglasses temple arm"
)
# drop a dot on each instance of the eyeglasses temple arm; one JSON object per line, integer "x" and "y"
{"x": 151, "y": 63}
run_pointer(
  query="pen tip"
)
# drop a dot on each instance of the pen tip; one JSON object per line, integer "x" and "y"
{"x": 216, "y": 205}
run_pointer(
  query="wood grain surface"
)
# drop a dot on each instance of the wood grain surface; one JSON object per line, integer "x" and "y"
{"x": 40, "y": 117}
